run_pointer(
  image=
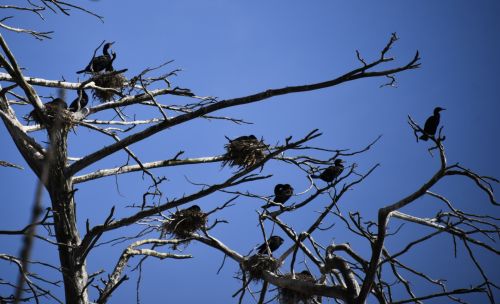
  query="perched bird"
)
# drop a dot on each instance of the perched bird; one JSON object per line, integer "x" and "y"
{"x": 306, "y": 273}
{"x": 80, "y": 102}
{"x": 332, "y": 172}
{"x": 245, "y": 137}
{"x": 194, "y": 208}
{"x": 110, "y": 68}
{"x": 282, "y": 192}
{"x": 274, "y": 243}
{"x": 100, "y": 63}
{"x": 431, "y": 124}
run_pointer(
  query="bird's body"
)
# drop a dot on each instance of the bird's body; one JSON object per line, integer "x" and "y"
{"x": 100, "y": 63}
{"x": 80, "y": 102}
{"x": 245, "y": 137}
{"x": 331, "y": 173}
{"x": 431, "y": 124}
{"x": 282, "y": 192}
{"x": 274, "y": 243}
{"x": 194, "y": 208}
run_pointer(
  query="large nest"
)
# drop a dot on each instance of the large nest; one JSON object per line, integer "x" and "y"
{"x": 245, "y": 151}
{"x": 110, "y": 81}
{"x": 256, "y": 264}
{"x": 57, "y": 117}
{"x": 185, "y": 222}
{"x": 289, "y": 296}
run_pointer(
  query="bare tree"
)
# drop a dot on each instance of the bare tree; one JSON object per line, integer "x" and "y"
{"x": 345, "y": 275}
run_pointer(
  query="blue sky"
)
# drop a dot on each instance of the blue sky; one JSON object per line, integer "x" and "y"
{"x": 236, "y": 48}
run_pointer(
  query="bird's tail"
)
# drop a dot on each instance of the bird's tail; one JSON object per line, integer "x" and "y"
{"x": 424, "y": 137}
{"x": 79, "y": 72}
{"x": 315, "y": 176}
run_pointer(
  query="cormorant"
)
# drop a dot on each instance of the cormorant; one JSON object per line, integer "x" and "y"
{"x": 282, "y": 192}
{"x": 194, "y": 208}
{"x": 100, "y": 63}
{"x": 332, "y": 172}
{"x": 274, "y": 242}
{"x": 110, "y": 68}
{"x": 245, "y": 137}
{"x": 80, "y": 102}
{"x": 431, "y": 124}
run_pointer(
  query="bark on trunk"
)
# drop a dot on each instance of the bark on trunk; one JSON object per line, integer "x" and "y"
{"x": 60, "y": 187}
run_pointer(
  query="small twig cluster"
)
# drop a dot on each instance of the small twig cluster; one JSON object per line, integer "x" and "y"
{"x": 108, "y": 80}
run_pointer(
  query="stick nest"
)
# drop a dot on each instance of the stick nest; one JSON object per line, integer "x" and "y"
{"x": 112, "y": 81}
{"x": 185, "y": 222}
{"x": 56, "y": 117}
{"x": 245, "y": 152}
{"x": 257, "y": 263}
{"x": 289, "y": 296}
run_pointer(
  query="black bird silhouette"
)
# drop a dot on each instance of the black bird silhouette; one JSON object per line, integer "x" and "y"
{"x": 194, "y": 208}
{"x": 245, "y": 137}
{"x": 99, "y": 63}
{"x": 332, "y": 172}
{"x": 80, "y": 101}
{"x": 274, "y": 242}
{"x": 431, "y": 124}
{"x": 110, "y": 67}
{"x": 282, "y": 192}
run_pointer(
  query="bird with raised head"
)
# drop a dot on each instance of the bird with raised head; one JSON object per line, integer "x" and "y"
{"x": 274, "y": 243}
{"x": 80, "y": 101}
{"x": 331, "y": 173}
{"x": 100, "y": 63}
{"x": 431, "y": 124}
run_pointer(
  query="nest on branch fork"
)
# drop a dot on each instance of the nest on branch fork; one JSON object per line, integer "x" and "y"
{"x": 109, "y": 80}
{"x": 245, "y": 151}
{"x": 57, "y": 116}
{"x": 185, "y": 222}
{"x": 257, "y": 264}
{"x": 289, "y": 296}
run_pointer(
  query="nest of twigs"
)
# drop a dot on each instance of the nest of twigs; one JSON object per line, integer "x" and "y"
{"x": 257, "y": 263}
{"x": 111, "y": 81}
{"x": 185, "y": 222}
{"x": 245, "y": 152}
{"x": 57, "y": 117}
{"x": 289, "y": 296}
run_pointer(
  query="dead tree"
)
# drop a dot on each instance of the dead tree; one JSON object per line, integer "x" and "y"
{"x": 345, "y": 275}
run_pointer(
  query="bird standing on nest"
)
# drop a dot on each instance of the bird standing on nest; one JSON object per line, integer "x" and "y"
{"x": 80, "y": 102}
{"x": 431, "y": 124}
{"x": 332, "y": 172}
{"x": 274, "y": 243}
{"x": 100, "y": 63}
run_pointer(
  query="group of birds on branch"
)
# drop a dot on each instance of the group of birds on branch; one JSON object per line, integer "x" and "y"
{"x": 96, "y": 65}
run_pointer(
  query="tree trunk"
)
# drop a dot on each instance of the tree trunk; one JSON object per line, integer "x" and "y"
{"x": 60, "y": 187}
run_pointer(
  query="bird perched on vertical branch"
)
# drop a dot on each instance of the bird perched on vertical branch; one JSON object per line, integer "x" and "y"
{"x": 80, "y": 101}
{"x": 282, "y": 192}
{"x": 431, "y": 124}
{"x": 274, "y": 243}
{"x": 331, "y": 173}
{"x": 100, "y": 63}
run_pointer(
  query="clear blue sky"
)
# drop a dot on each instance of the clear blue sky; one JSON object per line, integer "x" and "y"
{"x": 235, "y": 48}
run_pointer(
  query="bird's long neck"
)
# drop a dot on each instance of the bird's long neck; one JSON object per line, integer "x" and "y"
{"x": 105, "y": 50}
